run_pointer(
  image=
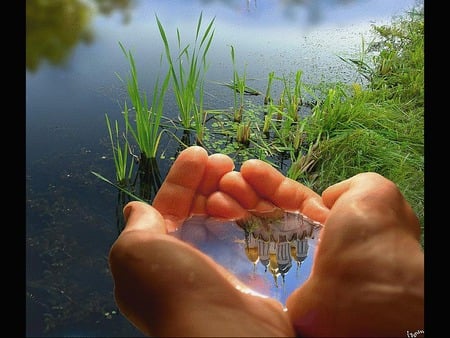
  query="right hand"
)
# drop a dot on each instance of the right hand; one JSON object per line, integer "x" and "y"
{"x": 367, "y": 277}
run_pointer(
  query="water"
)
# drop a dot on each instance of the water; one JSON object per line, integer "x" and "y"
{"x": 271, "y": 255}
{"x": 72, "y": 58}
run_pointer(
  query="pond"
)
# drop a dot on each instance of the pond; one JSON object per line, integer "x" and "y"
{"x": 73, "y": 60}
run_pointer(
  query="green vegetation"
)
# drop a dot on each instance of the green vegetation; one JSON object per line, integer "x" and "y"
{"x": 317, "y": 135}
{"x": 380, "y": 128}
{"x": 188, "y": 82}
{"x": 124, "y": 167}
{"x": 147, "y": 120}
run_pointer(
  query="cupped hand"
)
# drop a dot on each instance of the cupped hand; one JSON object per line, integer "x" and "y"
{"x": 367, "y": 277}
{"x": 165, "y": 286}
{"x": 368, "y": 272}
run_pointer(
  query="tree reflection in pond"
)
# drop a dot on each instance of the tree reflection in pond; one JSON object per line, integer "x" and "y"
{"x": 54, "y": 28}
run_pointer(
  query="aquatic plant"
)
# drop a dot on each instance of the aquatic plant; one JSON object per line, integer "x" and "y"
{"x": 239, "y": 86}
{"x": 243, "y": 133}
{"x": 188, "y": 71}
{"x": 268, "y": 97}
{"x": 122, "y": 162}
{"x": 145, "y": 126}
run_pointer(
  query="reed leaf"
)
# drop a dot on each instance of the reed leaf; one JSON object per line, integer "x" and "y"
{"x": 148, "y": 119}
{"x": 187, "y": 83}
{"x": 120, "y": 155}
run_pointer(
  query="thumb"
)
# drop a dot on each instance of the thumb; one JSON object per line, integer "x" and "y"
{"x": 140, "y": 216}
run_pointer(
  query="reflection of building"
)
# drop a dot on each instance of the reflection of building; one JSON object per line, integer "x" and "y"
{"x": 263, "y": 252}
{"x": 276, "y": 242}
{"x": 284, "y": 258}
{"x": 299, "y": 250}
{"x": 251, "y": 248}
{"x": 273, "y": 262}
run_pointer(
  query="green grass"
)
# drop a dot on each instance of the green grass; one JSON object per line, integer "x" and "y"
{"x": 379, "y": 128}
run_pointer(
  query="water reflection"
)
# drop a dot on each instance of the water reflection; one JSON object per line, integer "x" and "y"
{"x": 276, "y": 241}
{"x": 108, "y": 7}
{"x": 260, "y": 250}
{"x": 54, "y": 28}
{"x": 313, "y": 11}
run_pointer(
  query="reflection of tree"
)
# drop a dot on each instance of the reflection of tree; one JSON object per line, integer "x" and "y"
{"x": 54, "y": 28}
{"x": 107, "y": 7}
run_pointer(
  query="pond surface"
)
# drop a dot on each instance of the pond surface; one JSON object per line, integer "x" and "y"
{"x": 72, "y": 62}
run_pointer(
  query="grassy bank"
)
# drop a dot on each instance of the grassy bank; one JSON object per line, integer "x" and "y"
{"x": 379, "y": 128}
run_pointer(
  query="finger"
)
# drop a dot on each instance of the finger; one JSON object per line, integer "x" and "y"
{"x": 236, "y": 186}
{"x": 140, "y": 216}
{"x": 282, "y": 191}
{"x": 331, "y": 194}
{"x": 363, "y": 184}
{"x": 374, "y": 196}
{"x": 198, "y": 206}
{"x": 176, "y": 194}
{"x": 216, "y": 167}
{"x": 221, "y": 205}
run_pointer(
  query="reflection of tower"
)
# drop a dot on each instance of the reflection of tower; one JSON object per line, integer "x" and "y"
{"x": 273, "y": 262}
{"x": 251, "y": 248}
{"x": 299, "y": 250}
{"x": 276, "y": 241}
{"x": 284, "y": 259}
{"x": 263, "y": 252}
{"x": 309, "y": 226}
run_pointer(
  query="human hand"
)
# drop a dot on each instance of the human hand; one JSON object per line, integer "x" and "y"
{"x": 165, "y": 286}
{"x": 367, "y": 277}
{"x": 368, "y": 272}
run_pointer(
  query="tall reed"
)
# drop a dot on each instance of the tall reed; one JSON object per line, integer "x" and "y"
{"x": 291, "y": 96}
{"x": 268, "y": 97}
{"x": 239, "y": 86}
{"x": 147, "y": 120}
{"x": 187, "y": 70}
{"x": 122, "y": 162}
{"x": 199, "y": 118}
